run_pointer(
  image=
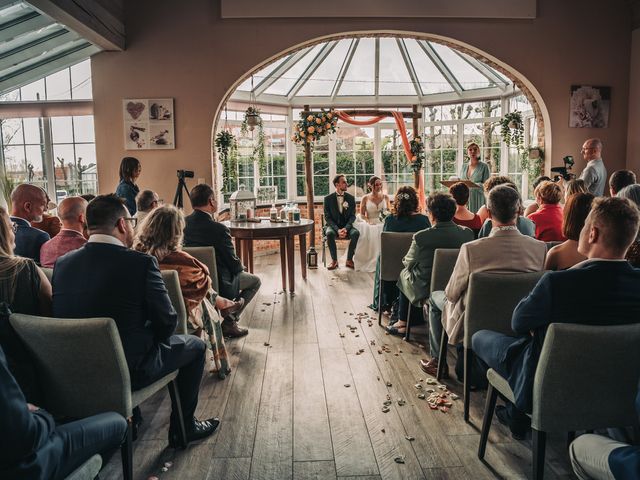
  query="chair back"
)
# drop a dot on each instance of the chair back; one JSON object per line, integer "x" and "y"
{"x": 491, "y": 299}
{"x": 48, "y": 272}
{"x": 587, "y": 378}
{"x": 206, "y": 255}
{"x": 444, "y": 259}
{"x": 393, "y": 247}
{"x": 172, "y": 282}
{"x": 80, "y": 363}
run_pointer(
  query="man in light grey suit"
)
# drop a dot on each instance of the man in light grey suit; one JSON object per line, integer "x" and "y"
{"x": 504, "y": 250}
{"x": 595, "y": 173}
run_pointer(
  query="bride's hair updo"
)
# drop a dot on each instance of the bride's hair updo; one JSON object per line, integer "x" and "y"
{"x": 405, "y": 202}
{"x": 372, "y": 181}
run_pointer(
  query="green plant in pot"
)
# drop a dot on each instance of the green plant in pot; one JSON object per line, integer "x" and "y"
{"x": 227, "y": 149}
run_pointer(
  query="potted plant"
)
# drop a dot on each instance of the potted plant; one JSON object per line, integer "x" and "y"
{"x": 226, "y": 147}
{"x": 251, "y": 118}
{"x": 512, "y": 130}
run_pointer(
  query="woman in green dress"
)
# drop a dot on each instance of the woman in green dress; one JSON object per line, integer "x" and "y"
{"x": 476, "y": 171}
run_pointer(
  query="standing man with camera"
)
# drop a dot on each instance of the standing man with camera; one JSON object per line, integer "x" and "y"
{"x": 595, "y": 173}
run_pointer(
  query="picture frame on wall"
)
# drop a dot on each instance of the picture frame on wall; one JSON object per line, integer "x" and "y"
{"x": 589, "y": 106}
{"x": 148, "y": 123}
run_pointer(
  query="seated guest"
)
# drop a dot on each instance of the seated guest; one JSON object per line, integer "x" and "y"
{"x": 548, "y": 218}
{"x": 50, "y": 223}
{"x": 161, "y": 236}
{"x": 566, "y": 254}
{"x": 595, "y": 457}
{"x": 415, "y": 279}
{"x": 620, "y": 179}
{"x": 339, "y": 214}
{"x": 38, "y": 449}
{"x": 534, "y": 206}
{"x": 602, "y": 290}
{"x": 107, "y": 279}
{"x": 505, "y": 250}
{"x": 632, "y": 192}
{"x": 464, "y": 217}
{"x": 146, "y": 201}
{"x": 523, "y": 224}
{"x": 72, "y": 211}
{"x": 404, "y": 218}
{"x": 28, "y": 203}
{"x": 574, "y": 186}
{"x": 492, "y": 182}
{"x": 203, "y": 231}
{"x": 88, "y": 196}
{"x": 23, "y": 289}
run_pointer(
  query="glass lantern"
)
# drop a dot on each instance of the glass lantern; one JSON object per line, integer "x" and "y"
{"x": 242, "y": 205}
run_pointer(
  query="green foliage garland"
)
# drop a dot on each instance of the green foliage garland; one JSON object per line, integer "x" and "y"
{"x": 314, "y": 125}
{"x": 417, "y": 154}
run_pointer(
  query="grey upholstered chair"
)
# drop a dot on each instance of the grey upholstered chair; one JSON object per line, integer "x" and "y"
{"x": 84, "y": 371}
{"x": 393, "y": 247}
{"x": 490, "y": 302}
{"x": 48, "y": 272}
{"x": 172, "y": 282}
{"x": 88, "y": 470}
{"x": 444, "y": 260}
{"x": 206, "y": 255}
{"x": 576, "y": 386}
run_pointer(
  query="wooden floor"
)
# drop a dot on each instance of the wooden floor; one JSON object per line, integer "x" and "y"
{"x": 303, "y": 403}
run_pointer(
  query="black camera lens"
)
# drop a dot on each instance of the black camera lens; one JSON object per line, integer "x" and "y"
{"x": 185, "y": 173}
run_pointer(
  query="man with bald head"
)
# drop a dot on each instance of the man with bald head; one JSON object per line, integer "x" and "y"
{"x": 28, "y": 204}
{"x": 72, "y": 212}
{"x": 595, "y": 173}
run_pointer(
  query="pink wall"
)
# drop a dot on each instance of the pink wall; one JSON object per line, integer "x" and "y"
{"x": 190, "y": 54}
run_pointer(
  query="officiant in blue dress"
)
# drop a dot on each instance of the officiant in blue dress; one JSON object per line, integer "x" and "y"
{"x": 476, "y": 171}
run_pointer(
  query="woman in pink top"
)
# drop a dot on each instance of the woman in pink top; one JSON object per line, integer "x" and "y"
{"x": 548, "y": 217}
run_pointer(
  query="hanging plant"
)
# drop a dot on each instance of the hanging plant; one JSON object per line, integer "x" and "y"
{"x": 251, "y": 120}
{"x": 533, "y": 161}
{"x": 417, "y": 154}
{"x": 227, "y": 149}
{"x": 512, "y": 130}
{"x": 313, "y": 126}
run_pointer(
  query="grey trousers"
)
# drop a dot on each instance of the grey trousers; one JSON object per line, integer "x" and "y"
{"x": 249, "y": 286}
{"x": 589, "y": 455}
{"x": 436, "y": 304}
{"x": 353, "y": 235}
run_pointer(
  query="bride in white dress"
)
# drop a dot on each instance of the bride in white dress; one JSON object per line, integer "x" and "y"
{"x": 370, "y": 226}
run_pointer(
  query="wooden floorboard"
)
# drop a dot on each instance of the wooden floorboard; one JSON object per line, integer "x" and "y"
{"x": 305, "y": 394}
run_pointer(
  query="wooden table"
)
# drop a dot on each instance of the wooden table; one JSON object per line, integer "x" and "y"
{"x": 245, "y": 233}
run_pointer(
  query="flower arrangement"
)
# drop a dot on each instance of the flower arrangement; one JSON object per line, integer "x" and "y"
{"x": 314, "y": 125}
{"x": 227, "y": 149}
{"x": 417, "y": 154}
{"x": 384, "y": 213}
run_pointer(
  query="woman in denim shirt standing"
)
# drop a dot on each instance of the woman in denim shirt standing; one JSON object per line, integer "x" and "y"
{"x": 130, "y": 170}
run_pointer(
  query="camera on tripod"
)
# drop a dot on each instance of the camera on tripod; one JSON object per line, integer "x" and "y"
{"x": 185, "y": 173}
{"x": 564, "y": 171}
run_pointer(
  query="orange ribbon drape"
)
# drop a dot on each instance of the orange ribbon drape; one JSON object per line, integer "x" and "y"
{"x": 405, "y": 143}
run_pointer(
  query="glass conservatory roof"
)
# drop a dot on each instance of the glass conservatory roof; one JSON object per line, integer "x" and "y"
{"x": 373, "y": 71}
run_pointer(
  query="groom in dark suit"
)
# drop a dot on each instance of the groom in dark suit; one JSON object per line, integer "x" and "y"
{"x": 339, "y": 215}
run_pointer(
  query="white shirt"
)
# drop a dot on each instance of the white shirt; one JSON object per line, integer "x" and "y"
{"x": 101, "y": 238}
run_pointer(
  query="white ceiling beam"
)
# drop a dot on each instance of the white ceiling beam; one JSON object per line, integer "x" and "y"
{"x": 440, "y": 65}
{"x": 311, "y": 68}
{"x": 345, "y": 67}
{"x": 484, "y": 70}
{"x": 92, "y": 21}
{"x": 279, "y": 71}
{"x": 25, "y": 24}
{"x": 36, "y": 48}
{"x": 410, "y": 68}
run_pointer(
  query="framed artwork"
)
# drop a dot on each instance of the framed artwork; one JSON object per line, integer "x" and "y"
{"x": 148, "y": 124}
{"x": 589, "y": 106}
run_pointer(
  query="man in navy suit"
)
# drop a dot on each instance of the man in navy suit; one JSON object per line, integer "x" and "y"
{"x": 105, "y": 278}
{"x": 201, "y": 230}
{"x": 602, "y": 290}
{"x": 28, "y": 204}
{"x": 339, "y": 215}
{"x": 33, "y": 448}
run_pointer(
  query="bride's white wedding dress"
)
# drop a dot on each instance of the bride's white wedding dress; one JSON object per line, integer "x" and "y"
{"x": 368, "y": 247}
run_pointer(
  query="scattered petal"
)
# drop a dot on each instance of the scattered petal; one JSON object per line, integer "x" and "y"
{"x": 347, "y": 385}
{"x": 399, "y": 459}
{"x": 454, "y": 396}
{"x": 164, "y": 469}
{"x": 168, "y": 464}
{"x": 421, "y": 396}
{"x": 382, "y": 430}
{"x": 389, "y": 384}
{"x": 418, "y": 385}
{"x": 385, "y": 409}
{"x": 266, "y": 344}
{"x": 410, "y": 438}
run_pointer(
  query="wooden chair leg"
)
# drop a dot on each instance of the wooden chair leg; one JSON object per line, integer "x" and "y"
{"x": 539, "y": 445}
{"x": 407, "y": 328}
{"x": 379, "y": 301}
{"x": 468, "y": 361}
{"x": 175, "y": 403}
{"x": 442, "y": 357}
{"x": 126, "y": 451}
{"x": 489, "y": 408}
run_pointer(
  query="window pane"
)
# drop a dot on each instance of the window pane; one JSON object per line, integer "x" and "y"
{"x": 12, "y": 131}
{"x": 32, "y": 130}
{"x": 58, "y": 85}
{"x": 34, "y": 91}
{"x": 81, "y": 80}
{"x": 62, "y": 130}
{"x": 83, "y": 129}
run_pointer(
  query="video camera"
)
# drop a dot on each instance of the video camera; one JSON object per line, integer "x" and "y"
{"x": 564, "y": 171}
{"x": 185, "y": 173}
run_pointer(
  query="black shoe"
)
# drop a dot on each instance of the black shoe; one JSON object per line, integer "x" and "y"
{"x": 518, "y": 429}
{"x": 136, "y": 423}
{"x": 196, "y": 431}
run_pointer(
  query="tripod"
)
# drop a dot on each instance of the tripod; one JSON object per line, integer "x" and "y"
{"x": 177, "y": 200}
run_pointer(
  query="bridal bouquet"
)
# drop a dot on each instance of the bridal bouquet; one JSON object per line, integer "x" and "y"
{"x": 384, "y": 213}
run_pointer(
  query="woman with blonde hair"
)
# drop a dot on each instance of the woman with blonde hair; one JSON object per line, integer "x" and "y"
{"x": 24, "y": 288}
{"x": 477, "y": 171}
{"x": 160, "y": 235}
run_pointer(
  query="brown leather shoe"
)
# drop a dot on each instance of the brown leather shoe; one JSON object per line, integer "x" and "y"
{"x": 431, "y": 368}
{"x": 333, "y": 265}
{"x": 349, "y": 264}
{"x": 232, "y": 330}
{"x": 225, "y": 312}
